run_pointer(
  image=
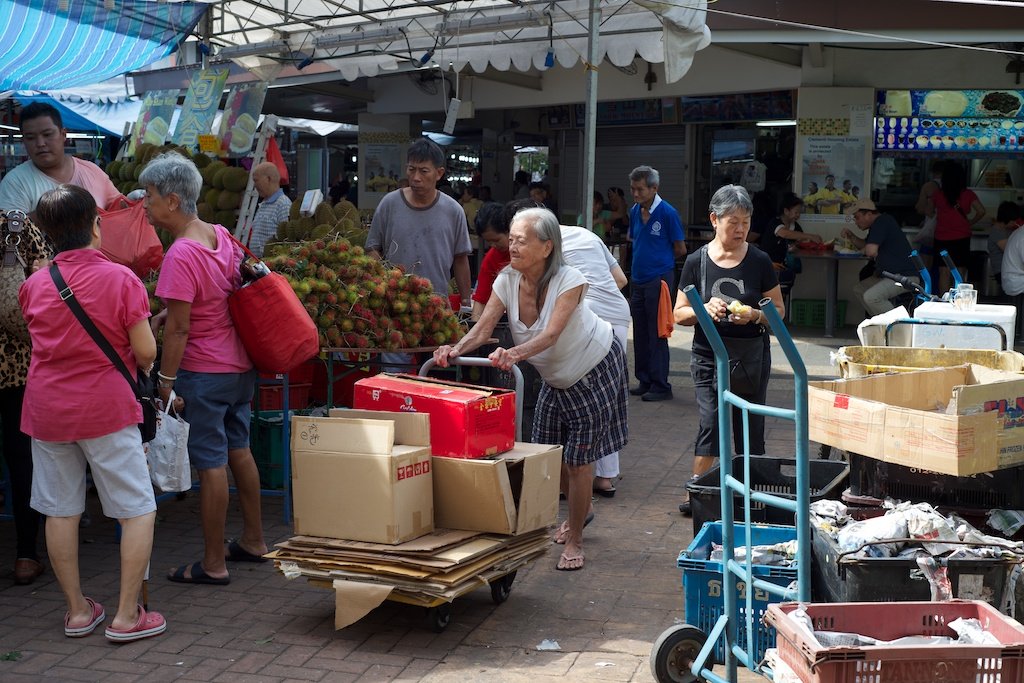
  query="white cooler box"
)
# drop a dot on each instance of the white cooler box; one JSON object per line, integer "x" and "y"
{"x": 962, "y": 336}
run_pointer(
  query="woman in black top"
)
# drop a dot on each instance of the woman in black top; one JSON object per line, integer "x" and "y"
{"x": 727, "y": 270}
{"x": 786, "y": 231}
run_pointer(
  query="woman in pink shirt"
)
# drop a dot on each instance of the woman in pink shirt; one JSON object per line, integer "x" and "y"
{"x": 68, "y": 380}
{"x": 204, "y": 361}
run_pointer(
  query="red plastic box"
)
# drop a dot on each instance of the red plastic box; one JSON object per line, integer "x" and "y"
{"x": 271, "y": 396}
{"x": 895, "y": 664}
{"x": 466, "y": 421}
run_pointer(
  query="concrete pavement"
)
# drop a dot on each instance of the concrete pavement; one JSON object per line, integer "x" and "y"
{"x": 264, "y": 628}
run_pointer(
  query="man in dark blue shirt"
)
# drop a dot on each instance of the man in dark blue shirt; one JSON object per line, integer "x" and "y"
{"x": 888, "y": 246}
{"x": 657, "y": 235}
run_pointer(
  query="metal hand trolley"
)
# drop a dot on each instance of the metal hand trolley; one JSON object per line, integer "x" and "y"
{"x": 498, "y": 577}
{"x": 683, "y": 653}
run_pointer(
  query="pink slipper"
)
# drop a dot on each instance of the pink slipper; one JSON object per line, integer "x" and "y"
{"x": 98, "y": 615}
{"x": 149, "y": 624}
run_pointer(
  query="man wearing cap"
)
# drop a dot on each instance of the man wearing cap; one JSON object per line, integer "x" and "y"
{"x": 888, "y": 246}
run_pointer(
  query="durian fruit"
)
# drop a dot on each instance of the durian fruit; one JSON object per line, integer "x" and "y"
{"x": 202, "y": 161}
{"x": 205, "y": 212}
{"x": 321, "y": 231}
{"x": 323, "y": 214}
{"x": 282, "y": 230}
{"x": 226, "y": 218}
{"x": 346, "y": 209}
{"x": 235, "y": 179}
{"x": 114, "y": 169}
{"x": 218, "y": 178}
{"x": 228, "y": 200}
{"x": 211, "y": 196}
{"x": 211, "y": 170}
{"x": 293, "y": 212}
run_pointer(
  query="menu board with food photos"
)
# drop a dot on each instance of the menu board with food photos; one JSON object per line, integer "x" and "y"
{"x": 952, "y": 104}
{"x": 950, "y": 120}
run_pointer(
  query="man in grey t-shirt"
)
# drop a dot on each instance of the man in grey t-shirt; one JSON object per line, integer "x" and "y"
{"x": 422, "y": 229}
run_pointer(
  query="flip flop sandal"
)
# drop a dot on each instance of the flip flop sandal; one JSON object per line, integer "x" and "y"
{"x": 148, "y": 625}
{"x": 98, "y": 615}
{"x": 236, "y": 553}
{"x": 198, "y": 575}
{"x": 605, "y": 493}
{"x": 586, "y": 522}
{"x": 564, "y": 566}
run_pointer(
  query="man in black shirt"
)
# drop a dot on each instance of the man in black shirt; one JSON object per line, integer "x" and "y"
{"x": 888, "y": 246}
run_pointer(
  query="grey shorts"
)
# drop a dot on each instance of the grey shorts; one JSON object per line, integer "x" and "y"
{"x": 119, "y": 470}
{"x": 218, "y": 411}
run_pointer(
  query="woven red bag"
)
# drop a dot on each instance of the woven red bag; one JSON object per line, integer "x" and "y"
{"x": 275, "y": 328}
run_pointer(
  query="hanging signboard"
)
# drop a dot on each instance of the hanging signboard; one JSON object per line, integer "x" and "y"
{"x": 953, "y": 104}
{"x": 843, "y": 158}
{"x": 154, "y": 122}
{"x": 241, "y": 117}
{"x": 200, "y": 106}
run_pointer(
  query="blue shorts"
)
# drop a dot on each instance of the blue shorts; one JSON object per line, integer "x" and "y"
{"x": 218, "y": 410}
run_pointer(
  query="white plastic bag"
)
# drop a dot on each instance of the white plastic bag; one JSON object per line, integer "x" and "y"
{"x": 167, "y": 453}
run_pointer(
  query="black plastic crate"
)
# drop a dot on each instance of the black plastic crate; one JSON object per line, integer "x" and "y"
{"x": 770, "y": 475}
{"x": 1002, "y": 489}
{"x": 892, "y": 579}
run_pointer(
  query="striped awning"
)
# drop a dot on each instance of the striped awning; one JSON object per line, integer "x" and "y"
{"x": 52, "y": 44}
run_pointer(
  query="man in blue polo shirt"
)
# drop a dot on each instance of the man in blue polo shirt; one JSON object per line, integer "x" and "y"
{"x": 657, "y": 235}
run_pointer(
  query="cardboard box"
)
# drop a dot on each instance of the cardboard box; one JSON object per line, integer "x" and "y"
{"x": 362, "y": 479}
{"x": 960, "y": 420}
{"x": 512, "y": 493}
{"x": 466, "y": 421}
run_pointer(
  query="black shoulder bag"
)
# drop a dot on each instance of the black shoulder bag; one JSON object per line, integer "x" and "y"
{"x": 142, "y": 387}
{"x": 746, "y": 354}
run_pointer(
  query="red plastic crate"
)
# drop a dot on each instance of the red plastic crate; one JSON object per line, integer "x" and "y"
{"x": 891, "y": 664}
{"x": 303, "y": 374}
{"x": 271, "y": 397}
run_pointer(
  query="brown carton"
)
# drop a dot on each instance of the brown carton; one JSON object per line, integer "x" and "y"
{"x": 512, "y": 493}
{"x": 362, "y": 479}
{"x": 960, "y": 420}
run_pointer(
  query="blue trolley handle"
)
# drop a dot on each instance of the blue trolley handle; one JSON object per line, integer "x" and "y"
{"x": 926, "y": 277}
{"x": 952, "y": 267}
{"x": 485, "y": 363}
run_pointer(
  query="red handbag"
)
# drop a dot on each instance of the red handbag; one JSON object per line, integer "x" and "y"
{"x": 275, "y": 328}
{"x": 128, "y": 238}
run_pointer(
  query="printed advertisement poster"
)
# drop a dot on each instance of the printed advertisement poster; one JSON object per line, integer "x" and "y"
{"x": 200, "y": 106}
{"x": 241, "y": 117}
{"x": 383, "y": 166}
{"x": 154, "y": 121}
{"x": 843, "y": 158}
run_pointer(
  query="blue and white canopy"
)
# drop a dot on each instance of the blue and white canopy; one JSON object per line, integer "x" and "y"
{"x": 53, "y": 44}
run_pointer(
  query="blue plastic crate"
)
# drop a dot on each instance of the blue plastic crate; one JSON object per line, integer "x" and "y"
{"x": 702, "y": 582}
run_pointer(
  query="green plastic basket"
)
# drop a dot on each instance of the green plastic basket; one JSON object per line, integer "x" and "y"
{"x": 811, "y": 312}
{"x": 267, "y": 448}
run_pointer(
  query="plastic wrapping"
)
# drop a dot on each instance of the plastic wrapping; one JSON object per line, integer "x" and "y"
{"x": 779, "y": 554}
{"x": 970, "y": 632}
{"x": 853, "y": 536}
{"x": 938, "y": 578}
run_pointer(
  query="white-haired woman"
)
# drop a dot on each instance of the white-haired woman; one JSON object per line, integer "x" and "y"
{"x": 204, "y": 361}
{"x": 582, "y": 402}
{"x": 724, "y": 271}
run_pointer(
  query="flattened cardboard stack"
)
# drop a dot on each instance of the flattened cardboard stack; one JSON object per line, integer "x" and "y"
{"x": 437, "y": 567}
{"x": 367, "y": 494}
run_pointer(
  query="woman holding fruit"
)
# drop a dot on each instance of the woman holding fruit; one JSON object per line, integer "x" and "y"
{"x": 732, "y": 278}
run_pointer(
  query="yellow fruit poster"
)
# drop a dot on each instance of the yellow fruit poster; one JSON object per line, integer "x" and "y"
{"x": 200, "y": 108}
{"x": 241, "y": 117}
{"x": 154, "y": 122}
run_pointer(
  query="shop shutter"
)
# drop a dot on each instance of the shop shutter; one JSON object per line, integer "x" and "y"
{"x": 619, "y": 151}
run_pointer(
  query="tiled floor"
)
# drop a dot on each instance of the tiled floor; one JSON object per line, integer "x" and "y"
{"x": 264, "y": 628}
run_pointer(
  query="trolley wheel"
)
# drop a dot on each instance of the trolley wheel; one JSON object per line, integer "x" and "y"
{"x": 500, "y": 588}
{"x": 673, "y": 654}
{"x": 439, "y": 617}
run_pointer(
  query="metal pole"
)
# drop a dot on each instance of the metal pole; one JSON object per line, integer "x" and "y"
{"x": 590, "y": 116}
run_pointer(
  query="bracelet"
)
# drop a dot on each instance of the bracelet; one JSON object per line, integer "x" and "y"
{"x": 165, "y": 385}
{"x": 163, "y": 376}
